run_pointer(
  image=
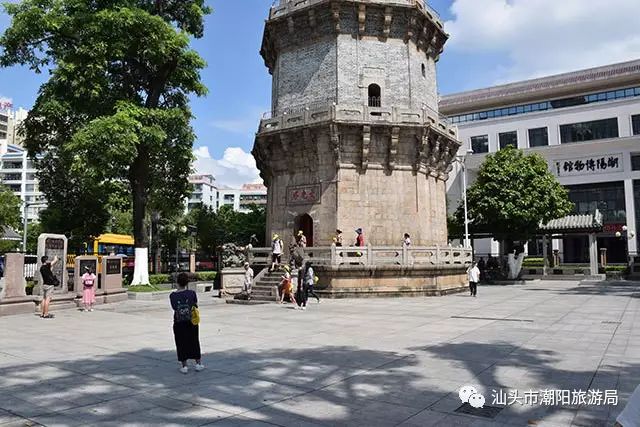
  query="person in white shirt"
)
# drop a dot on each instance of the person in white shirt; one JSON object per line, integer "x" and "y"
{"x": 407, "y": 240}
{"x": 473, "y": 273}
{"x": 276, "y": 251}
{"x": 248, "y": 279}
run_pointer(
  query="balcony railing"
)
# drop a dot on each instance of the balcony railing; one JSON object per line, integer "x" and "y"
{"x": 322, "y": 112}
{"x": 369, "y": 256}
{"x": 281, "y": 7}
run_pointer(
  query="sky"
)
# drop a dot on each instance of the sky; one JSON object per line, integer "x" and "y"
{"x": 491, "y": 42}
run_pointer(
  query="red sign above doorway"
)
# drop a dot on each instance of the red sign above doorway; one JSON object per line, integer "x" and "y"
{"x": 303, "y": 194}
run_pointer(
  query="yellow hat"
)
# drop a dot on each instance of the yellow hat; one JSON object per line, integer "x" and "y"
{"x": 275, "y": 236}
{"x": 300, "y": 233}
{"x": 286, "y": 268}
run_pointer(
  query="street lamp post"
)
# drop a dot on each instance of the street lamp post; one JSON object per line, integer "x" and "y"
{"x": 25, "y": 222}
{"x": 462, "y": 159}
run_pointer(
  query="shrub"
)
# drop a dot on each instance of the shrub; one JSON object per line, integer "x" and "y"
{"x": 29, "y": 288}
{"x": 158, "y": 279}
{"x": 206, "y": 276}
{"x": 533, "y": 262}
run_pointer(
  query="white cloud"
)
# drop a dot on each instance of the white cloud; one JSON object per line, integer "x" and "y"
{"x": 236, "y": 167}
{"x": 202, "y": 152}
{"x": 542, "y": 37}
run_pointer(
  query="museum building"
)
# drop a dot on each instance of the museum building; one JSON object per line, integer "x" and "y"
{"x": 586, "y": 124}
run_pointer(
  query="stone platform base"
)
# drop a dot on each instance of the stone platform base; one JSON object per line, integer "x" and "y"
{"x": 387, "y": 293}
{"x": 17, "y": 305}
{"x": 349, "y": 281}
{"x": 111, "y": 297}
{"x": 58, "y": 302}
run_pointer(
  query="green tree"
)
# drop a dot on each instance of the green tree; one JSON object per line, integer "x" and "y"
{"x": 9, "y": 208}
{"x": 512, "y": 194}
{"x": 115, "y": 109}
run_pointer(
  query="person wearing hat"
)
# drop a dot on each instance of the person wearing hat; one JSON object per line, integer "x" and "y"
{"x": 286, "y": 287}
{"x": 302, "y": 239}
{"x": 88, "y": 289}
{"x": 248, "y": 279}
{"x": 338, "y": 238}
{"x": 276, "y": 251}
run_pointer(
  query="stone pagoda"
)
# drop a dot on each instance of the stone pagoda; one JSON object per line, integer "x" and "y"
{"x": 354, "y": 138}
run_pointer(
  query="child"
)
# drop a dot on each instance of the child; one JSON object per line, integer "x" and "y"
{"x": 88, "y": 289}
{"x": 286, "y": 287}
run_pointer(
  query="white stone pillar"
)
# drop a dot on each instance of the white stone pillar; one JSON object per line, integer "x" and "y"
{"x": 630, "y": 207}
{"x": 593, "y": 254}
{"x": 545, "y": 255}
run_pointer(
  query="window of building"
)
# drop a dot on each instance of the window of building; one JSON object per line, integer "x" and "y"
{"x": 374, "y": 93}
{"x": 3, "y": 135}
{"x": 635, "y": 124}
{"x": 635, "y": 162}
{"x": 508, "y": 138}
{"x": 480, "y": 144}
{"x": 588, "y": 131}
{"x": 424, "y": 71}
{"x": 607, "y": 197}
{"x": 30, "y": 187}
{"x": 229, "y": 197}
{"x": 538, "y": 137}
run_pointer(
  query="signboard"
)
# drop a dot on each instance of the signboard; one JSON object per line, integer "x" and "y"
{"x": 91, "y": 263}
{"x": 613, "y": 228}
{"x": 608, "y": 163}
{"x": 303, "y": 194}
{"x": 114, "y": 266}
{"x": 54, "y": 247}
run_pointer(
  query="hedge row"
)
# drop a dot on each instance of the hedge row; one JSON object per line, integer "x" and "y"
{"x": 203, "y": 276}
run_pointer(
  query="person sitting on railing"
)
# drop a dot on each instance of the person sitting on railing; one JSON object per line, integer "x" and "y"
{"x": 338, "y": 238}
{"x": 407, "y": 240}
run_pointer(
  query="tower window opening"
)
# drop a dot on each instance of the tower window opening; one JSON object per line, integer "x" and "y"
{"x": 424, "y": 71}
{"x": 374, "y": 95}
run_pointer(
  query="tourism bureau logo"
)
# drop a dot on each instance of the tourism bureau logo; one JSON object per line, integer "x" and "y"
{"x": 469, "y": 394}
{"x": 546, "y": 397}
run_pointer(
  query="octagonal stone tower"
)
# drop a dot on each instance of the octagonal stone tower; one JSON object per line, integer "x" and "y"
{"x": 354, "y": 138}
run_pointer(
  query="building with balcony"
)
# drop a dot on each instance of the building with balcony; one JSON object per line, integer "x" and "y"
{"x": 18, "y": 173}
{"x": 586, "y": 124}
{"x": 204, "y": 192}
{"x": 241, "y": 199}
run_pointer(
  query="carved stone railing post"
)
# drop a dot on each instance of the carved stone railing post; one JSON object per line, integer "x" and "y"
{"x": 369, "y": 254}
{"x": 334, "y": 255}
{"x": 405, "y": 255}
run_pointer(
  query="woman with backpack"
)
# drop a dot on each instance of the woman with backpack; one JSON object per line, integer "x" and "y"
{"x": 308, "y": 281}
{"x": 185, "y": 324}
{"x": 88, "y": 289}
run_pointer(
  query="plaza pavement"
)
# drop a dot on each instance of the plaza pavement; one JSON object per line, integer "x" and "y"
{"x": 365, "y": 362}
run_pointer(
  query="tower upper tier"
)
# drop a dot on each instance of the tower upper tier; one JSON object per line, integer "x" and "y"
{"x": 379, "y": 53}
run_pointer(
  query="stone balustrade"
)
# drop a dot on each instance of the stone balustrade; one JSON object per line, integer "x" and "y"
{"x": 358, "y": 114}
{"x": 285, "y": 7}
{"x": 375, "y": 255}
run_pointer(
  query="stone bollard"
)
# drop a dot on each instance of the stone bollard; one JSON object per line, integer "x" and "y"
{"x": 13, "y": 298}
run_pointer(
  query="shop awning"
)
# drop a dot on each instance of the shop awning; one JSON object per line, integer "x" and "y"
{"x": 587, "y": 223}
{"x": 6, "y": 233}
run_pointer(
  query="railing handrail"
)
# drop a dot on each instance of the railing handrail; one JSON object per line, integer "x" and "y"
{"x": 372, "y": 255}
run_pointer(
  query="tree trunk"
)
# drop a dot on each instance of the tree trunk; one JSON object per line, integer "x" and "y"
{"x": 138, "y": 179}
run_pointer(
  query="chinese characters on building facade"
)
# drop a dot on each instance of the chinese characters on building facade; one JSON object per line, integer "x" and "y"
{"x": 303, "y": 194}
{"x": 609, "y": 163}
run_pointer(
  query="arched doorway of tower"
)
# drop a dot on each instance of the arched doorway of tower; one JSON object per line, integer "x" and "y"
{"x": 305, "y": 223}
